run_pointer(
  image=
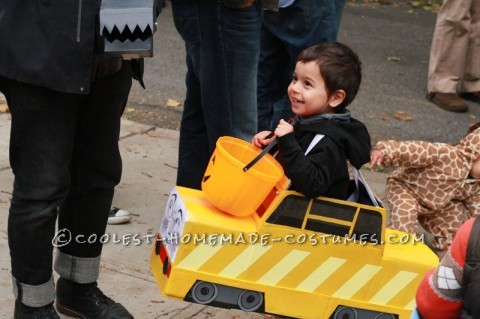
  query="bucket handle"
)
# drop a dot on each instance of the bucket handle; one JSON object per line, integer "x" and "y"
{"x": 262, "y": 153}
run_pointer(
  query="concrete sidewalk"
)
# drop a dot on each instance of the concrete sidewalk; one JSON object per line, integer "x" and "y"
{"x": 150, "y": 164}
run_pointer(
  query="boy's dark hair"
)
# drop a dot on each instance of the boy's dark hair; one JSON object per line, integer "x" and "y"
{"x": 339, "y": 67}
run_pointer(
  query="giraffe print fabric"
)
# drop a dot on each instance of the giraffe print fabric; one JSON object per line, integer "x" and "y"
{"x": 431, "y": 186}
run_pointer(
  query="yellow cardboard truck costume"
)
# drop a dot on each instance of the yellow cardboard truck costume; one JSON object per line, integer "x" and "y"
{"x": 290, "y": 255}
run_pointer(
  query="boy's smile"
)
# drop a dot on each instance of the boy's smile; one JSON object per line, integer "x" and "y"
{"x": 295, "y": 101}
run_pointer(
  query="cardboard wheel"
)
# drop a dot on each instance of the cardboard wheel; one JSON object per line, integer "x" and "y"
{"x": 250, "y": 300}
{"x": 204, "y": 292}
{"x": 345, "y": 313}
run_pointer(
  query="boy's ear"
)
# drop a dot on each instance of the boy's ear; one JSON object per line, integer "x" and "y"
{"x": 337, "y": 98}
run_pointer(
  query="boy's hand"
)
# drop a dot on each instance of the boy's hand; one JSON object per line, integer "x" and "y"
{"x": 261, "y": 139}
{"x": 376, "y": 158}
{"x": 283, "y": 128}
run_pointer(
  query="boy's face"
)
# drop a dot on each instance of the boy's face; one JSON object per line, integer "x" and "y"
{"x": 307, "y": 91}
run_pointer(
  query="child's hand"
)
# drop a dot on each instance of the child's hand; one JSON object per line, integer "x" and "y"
{"x": 475, "y": 170}
{"x": 376, "y": 158}
{"x": 261, "y": 139}
{"x": 283, "y": 128}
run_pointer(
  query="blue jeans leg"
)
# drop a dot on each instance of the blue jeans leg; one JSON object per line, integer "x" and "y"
{"x": 96, "y": 165}
{"x": 271, "y": 69}
{"x": 41, "y": 140}
{"x": 64, "y": 155}
{"x": 222, "y": 47}
{"x": 303, "y": 24}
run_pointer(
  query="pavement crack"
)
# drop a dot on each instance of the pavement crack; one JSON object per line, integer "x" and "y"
{"x": 174, "y": 313}
{"x": 201, "y": 311}
{"x": 129, "y": 273}
{"x": 138, "y": 133}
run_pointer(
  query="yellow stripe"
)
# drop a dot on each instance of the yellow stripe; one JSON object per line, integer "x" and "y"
{"x": 331, "y": 220}
{"x": 244, "y": 260}
{"x": 322, "y": 273}
{"x": 354, "y": 221}
{"x": 393, "y": 287}
{"x": 310, "y": 203}
{"x": 411, "y": 305}
{"x": 199, "y": 256}
{"x": 358, "y": 280}
{"x": 283, "y": 267}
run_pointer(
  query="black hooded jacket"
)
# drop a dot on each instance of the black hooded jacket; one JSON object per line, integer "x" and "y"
{"x": 55, "y": 44}
{"x": 49, "y": 43}
{"x": 324, "y": 171}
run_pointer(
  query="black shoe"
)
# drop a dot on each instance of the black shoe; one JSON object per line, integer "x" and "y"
{"x": 24, "y": 312}
{"x": 87, "y": 301}
{"x": 470, "y": 96}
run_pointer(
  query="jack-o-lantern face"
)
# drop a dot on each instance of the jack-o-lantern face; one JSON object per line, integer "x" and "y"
{"x": 208, "y": 171}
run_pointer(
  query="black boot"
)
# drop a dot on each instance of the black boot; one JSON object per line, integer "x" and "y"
{"x": 87, "y": 301}
{"x": 26, "y": 312}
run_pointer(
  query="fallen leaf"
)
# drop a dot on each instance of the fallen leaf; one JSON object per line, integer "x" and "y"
{"x": 155, "y": 133}
{"x": 172, "y": 103}
{"x": 3, "y": 107}
{"x": 393, "y": 58}
{"x": 415, "y": 4}
{"x": 129, "y": 109}
{"x": 402, "y": 116}
{"x": 384, "y": 116}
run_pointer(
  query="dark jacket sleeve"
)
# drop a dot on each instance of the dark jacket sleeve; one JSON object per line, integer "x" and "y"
{"x": 315, "y": 174}
{"x": 137, "y": 71}
{"x": 49, "y": 43}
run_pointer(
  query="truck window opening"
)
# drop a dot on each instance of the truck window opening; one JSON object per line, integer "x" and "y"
{"x": 290, "y": 212}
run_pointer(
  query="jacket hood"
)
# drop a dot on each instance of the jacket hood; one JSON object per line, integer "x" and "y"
{"x": 350, "y": 135}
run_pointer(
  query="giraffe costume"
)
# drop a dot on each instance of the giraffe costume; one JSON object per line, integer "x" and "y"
{"x": 431, "y": 186}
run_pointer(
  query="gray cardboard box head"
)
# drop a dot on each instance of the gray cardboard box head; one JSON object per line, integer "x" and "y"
{"x": 128, "y": 27}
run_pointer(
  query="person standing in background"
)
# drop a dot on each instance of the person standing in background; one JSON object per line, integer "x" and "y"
{"x": 454, "y": 71}
{"x": 287, "y": 29}
{"x": 222, "y": 42}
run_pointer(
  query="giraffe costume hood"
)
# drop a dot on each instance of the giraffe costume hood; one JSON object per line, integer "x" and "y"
{"x": 435, "y": 172}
